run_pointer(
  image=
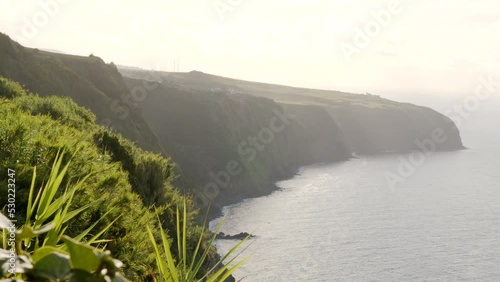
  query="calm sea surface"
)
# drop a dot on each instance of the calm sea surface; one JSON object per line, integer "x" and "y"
{"x": 343, "y": 222}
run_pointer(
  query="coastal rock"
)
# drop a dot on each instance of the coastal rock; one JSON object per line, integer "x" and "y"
{"x": 240, "y": 236}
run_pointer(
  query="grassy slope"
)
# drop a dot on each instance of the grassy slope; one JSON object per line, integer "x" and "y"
{"x": 200, "y": 81}
{"x": 125, "y": 180}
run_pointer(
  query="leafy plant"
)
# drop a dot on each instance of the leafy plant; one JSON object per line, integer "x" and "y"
{"x": 40, "y": 251}
{"x": 187, "y": 269}
{"x": 53, "y": 213}
{"x": 33, "y": 129}
{"x": 124, "y": 183}
{"x": 80, "y": 262}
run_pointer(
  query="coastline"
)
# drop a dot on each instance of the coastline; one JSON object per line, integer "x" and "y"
{"x": 218, "y": 212}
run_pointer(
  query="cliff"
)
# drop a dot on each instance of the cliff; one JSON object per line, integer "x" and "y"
{"x": 208, "y": 122}
{"x": 236, "y": 146}
{"x": 232, "y": 139}
{"x": 369, "y": 123}
{"x": 393, "y": 128}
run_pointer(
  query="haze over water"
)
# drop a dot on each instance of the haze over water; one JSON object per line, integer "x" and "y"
{"x": 342, "y": 222}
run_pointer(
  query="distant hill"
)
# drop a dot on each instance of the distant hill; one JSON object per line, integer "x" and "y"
{"x": 370, "y": 123}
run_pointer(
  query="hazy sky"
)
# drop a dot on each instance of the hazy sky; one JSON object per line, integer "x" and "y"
{"x": 424, "y": 46}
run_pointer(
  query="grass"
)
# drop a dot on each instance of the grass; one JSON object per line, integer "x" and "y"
{"x": 42, "y": 250}
{"x": 109, "y": 184}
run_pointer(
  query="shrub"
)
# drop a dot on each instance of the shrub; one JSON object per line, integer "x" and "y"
{"x": 10, "y": 89}
{"x": 40, "y": 251}
{"x": 126, "y": 180}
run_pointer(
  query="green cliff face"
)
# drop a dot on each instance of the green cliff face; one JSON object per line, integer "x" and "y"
{"x": 394, "y": 128}
{"x": 236, "y": 146}
{"x": 368, "y": 123}
{"x": 209, "y": 122}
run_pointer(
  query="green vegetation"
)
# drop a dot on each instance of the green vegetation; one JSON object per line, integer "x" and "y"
{"x": 187, "y": 269}
{"x": 40, "y": 251}
{"x": 117, "y": 184}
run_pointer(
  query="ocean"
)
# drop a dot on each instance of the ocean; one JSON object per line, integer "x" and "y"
{"x": 346, "y": 222}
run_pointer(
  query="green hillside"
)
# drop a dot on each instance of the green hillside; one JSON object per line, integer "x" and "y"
{"x": 87, "y": 80}
{"x": 125, "y": 181}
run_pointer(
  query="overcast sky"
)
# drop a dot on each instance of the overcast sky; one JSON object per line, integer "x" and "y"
{"x": 425, "y": 46}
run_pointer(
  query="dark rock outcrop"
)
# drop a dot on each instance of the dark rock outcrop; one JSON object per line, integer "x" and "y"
{"x": 239, "y": 236}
